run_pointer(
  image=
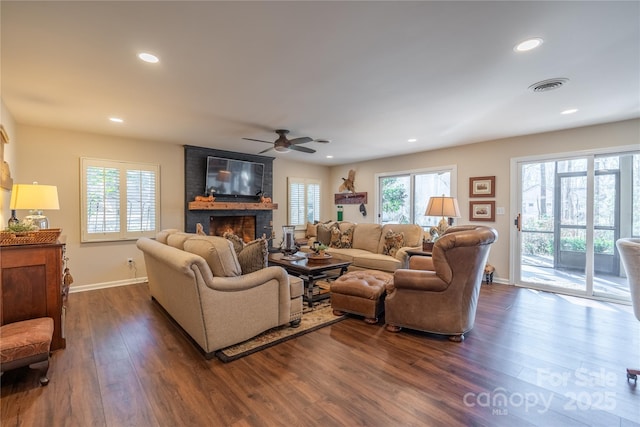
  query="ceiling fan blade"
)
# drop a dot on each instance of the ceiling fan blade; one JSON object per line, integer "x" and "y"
{"x": 259, "y": 140}
{"x": 303, "y": 149}
{"x": 300, "y": 140}
{"x": 264, "y": 151}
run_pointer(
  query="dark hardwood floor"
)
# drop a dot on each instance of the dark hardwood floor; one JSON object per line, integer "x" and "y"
{"x": 533, "y": 359}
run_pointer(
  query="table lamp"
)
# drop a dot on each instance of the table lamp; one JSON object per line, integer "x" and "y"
{"x": 444, "y": 207}
{"x": 35, "y": 198}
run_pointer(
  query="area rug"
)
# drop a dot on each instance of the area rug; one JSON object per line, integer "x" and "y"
{"x": 319, "y": 317}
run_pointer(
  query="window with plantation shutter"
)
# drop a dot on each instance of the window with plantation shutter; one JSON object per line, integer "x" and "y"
{"x": 303, "y": 201}
{"x": 119, "y": 200}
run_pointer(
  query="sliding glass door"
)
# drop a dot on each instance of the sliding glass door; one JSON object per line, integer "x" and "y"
{"x": 570, "y": 213}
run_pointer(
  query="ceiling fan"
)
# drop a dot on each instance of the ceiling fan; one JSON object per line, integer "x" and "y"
{"x": 284, "y": 145}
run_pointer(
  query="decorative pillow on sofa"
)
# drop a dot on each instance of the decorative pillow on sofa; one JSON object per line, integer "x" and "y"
{"x": 253, "y": 256}
{"x": 324, "y": 234}
{"x": 341, "y": 239}
{"x": 237, "y": 242}
{"x": 392, "y": 242}
{"x": 217, "y": 252}
{"x": 312, "y": 230}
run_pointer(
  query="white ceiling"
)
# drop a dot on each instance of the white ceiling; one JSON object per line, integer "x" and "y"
{"x": 366, "y": 75}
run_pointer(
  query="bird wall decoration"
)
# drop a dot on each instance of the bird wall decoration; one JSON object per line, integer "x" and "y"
{"x": 348, "y": 184}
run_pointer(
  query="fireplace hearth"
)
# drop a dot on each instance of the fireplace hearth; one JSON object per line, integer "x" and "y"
{"x": 242, "y": 226}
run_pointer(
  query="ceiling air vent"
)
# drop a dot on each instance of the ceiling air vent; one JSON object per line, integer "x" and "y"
{"x": 547, "y": 85}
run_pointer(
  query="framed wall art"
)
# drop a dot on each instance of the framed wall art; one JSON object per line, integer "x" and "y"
{"x": 482, "y": 186}
{"x": 482, "y": 211}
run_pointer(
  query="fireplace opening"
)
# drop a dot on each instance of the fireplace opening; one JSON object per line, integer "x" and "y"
{"x": 242, "y": 226}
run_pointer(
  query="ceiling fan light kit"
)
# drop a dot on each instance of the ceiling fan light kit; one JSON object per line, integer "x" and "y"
{"x": 284, "y": 145}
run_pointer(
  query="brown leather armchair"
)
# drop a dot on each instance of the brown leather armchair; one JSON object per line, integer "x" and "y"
{"x": 439, "y": 294}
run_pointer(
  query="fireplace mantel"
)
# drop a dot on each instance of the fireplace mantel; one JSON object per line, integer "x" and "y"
{"x": 231, "y": 206}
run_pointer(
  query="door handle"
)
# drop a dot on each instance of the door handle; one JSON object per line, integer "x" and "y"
{"x": 517, "y": 222}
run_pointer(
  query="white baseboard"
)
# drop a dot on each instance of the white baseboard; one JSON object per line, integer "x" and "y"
{"x": 104, "y": 285}
{"x": 496, "y": 281}
{"x": 95, "y": 286}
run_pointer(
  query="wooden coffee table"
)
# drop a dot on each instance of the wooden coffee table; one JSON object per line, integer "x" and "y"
{"x": 310, "y": 271}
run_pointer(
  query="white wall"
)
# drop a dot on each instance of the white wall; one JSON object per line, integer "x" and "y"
{"x": 490, "y": 158}
{"x": 282, "y": 169}
{"x": 6, "y": 119}
{"x": 53, "y": 157}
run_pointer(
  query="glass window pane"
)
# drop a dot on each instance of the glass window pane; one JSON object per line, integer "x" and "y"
{"x": 610, "y": 163}
{"x": 395, "y": 199}
{"x": 538, "y": 246}
{"x": 537, "y": 196}
{"x": 303, "y": 201}
{"x": 103, "y": 199}
{"x": 573, "y": 165}
{"x": 427, "y": 185}
{"x": 604, "y": 208}
{"x": 141, "y": 201}
{"x": 573, "y": 239}
{"x": 313, "y": 203}
{"x": 119, "y": 200}
{"x": 573, "y": 200}
{"x": 296, "y": 203}
{"x": 604, "y": 241}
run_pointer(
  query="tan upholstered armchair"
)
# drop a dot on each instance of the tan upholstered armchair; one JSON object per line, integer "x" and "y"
{"x": 629, "y": 249}
{"x": 439, "y": 294}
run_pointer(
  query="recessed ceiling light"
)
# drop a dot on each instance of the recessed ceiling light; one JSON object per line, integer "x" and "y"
{"x": 528, "y": 44}
{"x": 329, "y": 157}
{"x": 116, "y": 120}
{"x": 570, "y": 111}
{"x": 147, "y": 57}
{"x": 411, "y": 140}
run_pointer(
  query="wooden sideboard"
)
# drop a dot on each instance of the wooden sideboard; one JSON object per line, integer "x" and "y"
{"x": 31, "y": 286}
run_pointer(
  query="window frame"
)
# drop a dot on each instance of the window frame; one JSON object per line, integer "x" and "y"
{"x": 306, "y": 182}
{"x": 122, "y": 232}
{"x": 429, "y": 221}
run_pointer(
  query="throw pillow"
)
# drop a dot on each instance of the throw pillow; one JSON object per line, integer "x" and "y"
{"x": 392, "y": 242}
{"x": 237, "y": 242}
{"x": 324, "y": 234}
{"x": 312, "y": 230}
{"x": 341, "y": 239}
{"x": 217, "y": 252}
{"x": 253, "y": 256}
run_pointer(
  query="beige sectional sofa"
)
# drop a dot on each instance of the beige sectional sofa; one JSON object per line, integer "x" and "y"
{"x": 372, "y": 246}
{"x": 200, "y": 283}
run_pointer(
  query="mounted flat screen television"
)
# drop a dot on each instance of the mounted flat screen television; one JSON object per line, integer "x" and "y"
{"x": 228, "y": 177}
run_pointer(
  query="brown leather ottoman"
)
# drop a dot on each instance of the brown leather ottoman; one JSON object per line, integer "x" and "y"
{"x": 360, "y": 292}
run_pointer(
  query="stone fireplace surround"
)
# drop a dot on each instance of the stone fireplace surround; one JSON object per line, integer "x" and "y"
{"x": 195, "y": 169}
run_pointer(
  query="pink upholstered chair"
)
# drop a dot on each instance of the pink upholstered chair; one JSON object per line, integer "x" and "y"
{"x": 629, "y": 249}
{"x": 439, "y": 294}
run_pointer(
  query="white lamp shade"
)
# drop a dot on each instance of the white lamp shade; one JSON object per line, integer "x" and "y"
{"x": 443, "y": 206}
{"x": 34, "y": 197}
